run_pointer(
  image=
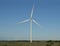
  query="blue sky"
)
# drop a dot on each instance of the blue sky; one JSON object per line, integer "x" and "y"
{"x": 46, "y": 13}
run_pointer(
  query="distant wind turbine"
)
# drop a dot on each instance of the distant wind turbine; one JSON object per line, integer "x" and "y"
{"x": 31, "y": 20}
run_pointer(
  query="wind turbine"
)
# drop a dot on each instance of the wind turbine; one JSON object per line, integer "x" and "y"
{"x": 31, "y": 20}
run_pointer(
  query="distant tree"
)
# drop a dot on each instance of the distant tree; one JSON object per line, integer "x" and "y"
{"x": 59, "y": 41}
{"x": 50, "y": 41}
{"x": 56, "y": 41}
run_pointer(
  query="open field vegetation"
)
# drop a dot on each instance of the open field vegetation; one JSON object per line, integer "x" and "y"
{"x": 27, "y": 43}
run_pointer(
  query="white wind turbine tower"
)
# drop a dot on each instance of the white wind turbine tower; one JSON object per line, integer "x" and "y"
{"x": 31, "y": 20}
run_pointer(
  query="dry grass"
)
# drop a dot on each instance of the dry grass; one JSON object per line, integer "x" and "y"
{"x": 27, "y": 43}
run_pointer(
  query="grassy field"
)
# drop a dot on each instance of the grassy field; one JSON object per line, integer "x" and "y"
{"x": 27, "y": 43}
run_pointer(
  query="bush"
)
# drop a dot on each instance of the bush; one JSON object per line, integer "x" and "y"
{"x": 48, "y": 45}
{"x": 5, "y": 45}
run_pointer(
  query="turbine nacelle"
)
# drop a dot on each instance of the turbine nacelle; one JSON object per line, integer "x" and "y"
{"x": 27, "y": 20}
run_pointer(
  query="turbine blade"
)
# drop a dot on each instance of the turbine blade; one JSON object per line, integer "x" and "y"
{"x": 35, "y": 22}
{"x": 32, "y": 11}
{"x": 23, "y": 21}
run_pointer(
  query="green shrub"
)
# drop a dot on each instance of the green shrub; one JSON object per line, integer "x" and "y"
{"x": 48, "y": 45}
{"x": 5, "y": 45}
